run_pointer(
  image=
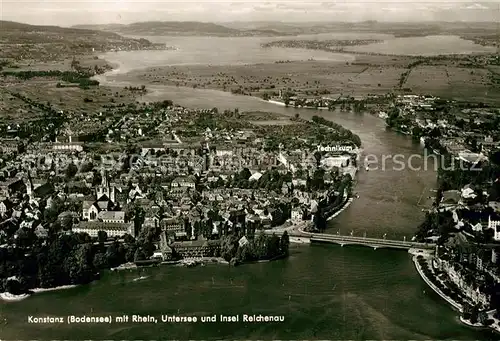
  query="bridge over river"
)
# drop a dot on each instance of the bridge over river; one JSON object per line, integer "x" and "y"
{"x": 297, "y": 235}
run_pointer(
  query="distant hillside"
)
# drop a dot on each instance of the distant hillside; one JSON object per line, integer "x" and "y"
{"x": 10, "y": 28}
{"x": 23, "y": 41}
{"x": 182, "y": 28}
{"x": 398, "y": 29}
{"x": 477, "y": 31}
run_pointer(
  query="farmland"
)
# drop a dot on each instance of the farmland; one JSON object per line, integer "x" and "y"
{"x": 453, "y": 77}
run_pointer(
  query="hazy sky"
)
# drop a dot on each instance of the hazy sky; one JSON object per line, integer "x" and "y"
{"x": 72, "y": 12}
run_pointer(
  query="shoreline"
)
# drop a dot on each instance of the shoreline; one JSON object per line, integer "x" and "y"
{"x": 8, "y": 297}
{"x": 346, "y": 204}
{"x": 469, "y": 324}
{"x": 200, "y": 260}
{"x": 61, "y": 287}
{"x": 282, "y": 256}
{"x": 282, "y": 104}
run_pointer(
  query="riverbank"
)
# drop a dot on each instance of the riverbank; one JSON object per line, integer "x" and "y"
{"x": 283, "y": 104}
{"x": 346, "y": 204}
{"x": 195, "y": 261}
{"x": 263, "y": 260}
{"x": 191, "y": 261}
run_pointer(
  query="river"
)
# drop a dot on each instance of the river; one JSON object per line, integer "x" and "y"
{"x": 324, "y": 292}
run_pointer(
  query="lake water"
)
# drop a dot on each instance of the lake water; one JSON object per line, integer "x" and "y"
{"x": 248, "y": 50}
{"x": 324, "y": 292}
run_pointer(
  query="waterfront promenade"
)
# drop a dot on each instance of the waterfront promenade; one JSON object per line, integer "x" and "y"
{"x": 455, "y": 305}
{"x": 495, "y": 326}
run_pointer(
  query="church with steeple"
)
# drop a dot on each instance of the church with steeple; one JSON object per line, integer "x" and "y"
{"x": 104, "y": 189}
{"x": 104, "y": 208}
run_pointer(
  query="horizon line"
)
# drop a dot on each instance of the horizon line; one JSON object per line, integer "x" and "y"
{"x": 222, "y": 23}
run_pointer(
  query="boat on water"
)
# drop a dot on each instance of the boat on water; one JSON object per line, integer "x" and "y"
{"x": 140, "y": 278}
{"x": 140, "y": 273}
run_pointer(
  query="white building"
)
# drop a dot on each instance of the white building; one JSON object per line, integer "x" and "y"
{"x": 337, "y": 161}
{"x": 495, "y": 225}
{"x": 296, "y": 214}
{"x": 495, "y": 205}
{"x": 188, "y": 181}
{"x": 468, "y": 193}
{"x": 224, "y": 152}
{"x": 470, "y": 157}
{"x": 299, "y": 182}
{"x": 69, "y": 146}
{"x": 111, "y": 217}
{"x": 92, "y": 228}
{"x": 255, "y": 176}
{"x": 477, "y": 227}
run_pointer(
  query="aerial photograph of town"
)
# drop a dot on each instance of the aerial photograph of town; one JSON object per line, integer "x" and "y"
{"x": 209, "y": 170}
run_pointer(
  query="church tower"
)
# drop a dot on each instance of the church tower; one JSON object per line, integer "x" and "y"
{"x": 29, "y": 184}
{"x": 112, "y": 196}
{"x": 103, "y": 189}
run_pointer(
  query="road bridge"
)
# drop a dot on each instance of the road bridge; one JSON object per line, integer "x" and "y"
{"x": 371, "y": 242}
{"x": 308, "y": 237}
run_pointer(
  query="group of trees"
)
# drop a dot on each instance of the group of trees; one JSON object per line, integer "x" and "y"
{"x": 270, "y": 180}
{"x": 261, "y": 247}
{"x": 62, "y": 259}
{"x": 475, "y": 315}
{"x": 396, "y": 120}
{"x": 80, "y": 78}
{"x": 343, "y": 132}
{"x": 453, "y": 174}
{"x": 229, "y": 119}
{"x": 45, "y": 126}
{"x": 142, "y": 88}
{"x": 441, "y": 222}
{"x": 404, "y": 76}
